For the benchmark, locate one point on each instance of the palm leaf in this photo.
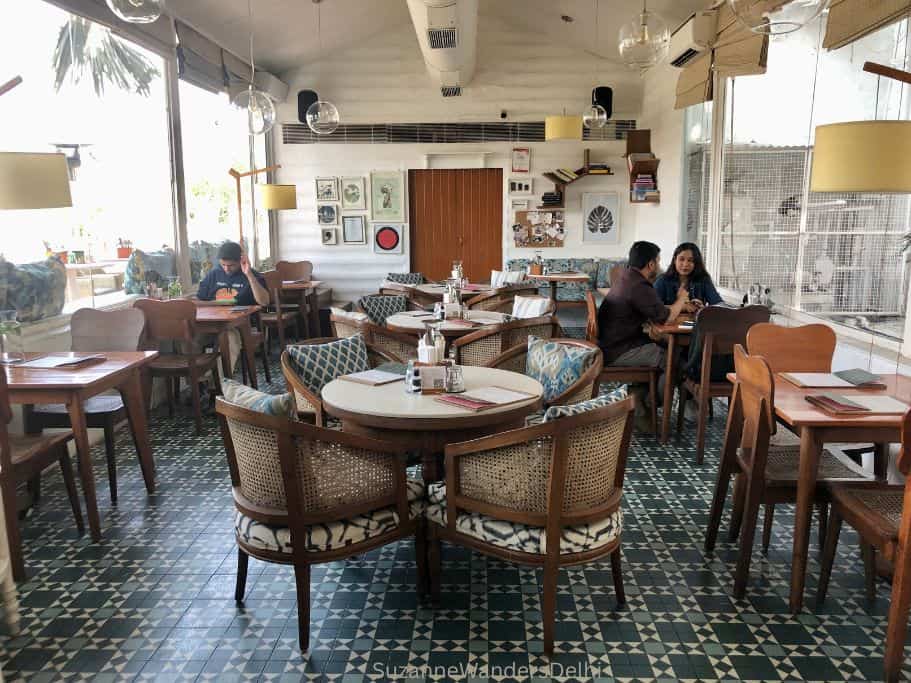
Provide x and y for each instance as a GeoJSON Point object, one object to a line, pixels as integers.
{"type": "Point", "coordinates": [600, 220]}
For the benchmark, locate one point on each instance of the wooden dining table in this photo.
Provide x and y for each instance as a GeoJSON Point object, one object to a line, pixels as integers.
{"type": "Point", "coordinates": [678, 337]}
{"type": "Point", "coordinates": [219, 320]}
{"type": "Point", "coordinates": [72, 387]}
{"type": "Point", "coordinates": [436, 291]}
{"type": "Point", "coordinates": [415, 322]}
{"type": "Point", "coordinates": [308, 302]}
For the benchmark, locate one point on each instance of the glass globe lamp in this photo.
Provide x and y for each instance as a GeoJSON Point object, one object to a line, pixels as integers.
{"type": "Point", "coordinates": [260, 110]}
{"type": "Point", "coordinates": [644, 41]}
{"type": "Point", "coordinates": [137, 11]}
{"type": "Point", "coordinates": [786, 19]}
{"type": "Point", "coordinates": [322, 117]}
{"type": "Point", "coordinates": [594, 117]}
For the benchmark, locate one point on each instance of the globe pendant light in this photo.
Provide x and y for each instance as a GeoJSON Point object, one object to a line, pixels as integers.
{"type": "Point", "coordinates": [594, 117]}
{"type": "Point", "coordinates": [259, 106]}
{"type": "Point", "coordinates": [644, 41]}
{"type": "Point", "coordinates": [322, 117]}
{"type": "Point", "coordinates": [785, 19]}
{"type": "Point", "coordinates": [137, 11]}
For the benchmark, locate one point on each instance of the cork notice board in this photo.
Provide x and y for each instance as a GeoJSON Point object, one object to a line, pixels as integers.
{"type": "Point", "coordinates": [540, 229]}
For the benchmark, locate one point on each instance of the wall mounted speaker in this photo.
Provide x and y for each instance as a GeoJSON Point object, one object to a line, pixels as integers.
{"type": "Point", "coordinates": [604, 96]}
{"type": "Point", "coordinates": [304, 99]}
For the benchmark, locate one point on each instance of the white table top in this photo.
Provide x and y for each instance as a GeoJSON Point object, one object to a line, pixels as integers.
{"type": "Point", "coordinates": [438, 290]}
{"type": "Point", "coordinates": [391, 400]}
{"type": "Point", "coordinates": [416, 321]}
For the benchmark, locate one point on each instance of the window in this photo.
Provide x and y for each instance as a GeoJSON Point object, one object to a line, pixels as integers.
{"type": "Point", "coordinates": [116, 138]}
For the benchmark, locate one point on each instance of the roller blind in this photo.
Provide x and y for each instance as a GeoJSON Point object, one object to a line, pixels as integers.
{"type": "Point", "coordinates": [851, 20]}
{"type": "Point", "coordinates": [695, 82]}
{"type": "Point", "coordinates": [159, 36]}
{"type": "Point", "coordinates": [738, 50]}
{"type": "Point", "coordinates": [237, 71]}
{"type": "Point", "coordinates": [199, 60]}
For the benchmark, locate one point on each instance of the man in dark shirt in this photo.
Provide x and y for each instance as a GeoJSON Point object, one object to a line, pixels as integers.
{"type": "Point", "coordinates": [631, 304]}
{"type": "Point", "coordinates": [233, 278]}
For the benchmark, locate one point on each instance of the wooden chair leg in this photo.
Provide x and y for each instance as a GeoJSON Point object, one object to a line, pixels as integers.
{"type": "Point", "coordinates": [33, 486]}
{"type": "Point", "coordinates": [828, 557]}
{"type": "Point", "coordinates": [767, 527]}
{"type": "Point", "coordinates": [420, 555]}
{"type": "Point", "coordinates": [434, 567]}
{"type": "Point", "coordinates": [110, 449]}
{"type": "Point", "coordinates": [216, 381]}
{"type": "Point", "coordinates": [70, 482]}
{"type": "Point", "coordinates": [240, 587]}
{"type": "Point", "coordinates": [755, 487]}
{"type": "Point", "coordinates": [617, 573]}
{"type": "Point", "coordinates": [14, 539]}
{"type": "Point", "coordinates": [740, 495]}
{"type": "Point", "coordinates": [823, 508]}
{"type": "Point", "coordinates": [717, 508]}
{"type": "Point", "coordinates": [898, 619]}
{"type": "Point", "coordinates": [194, 392]}
{"type": "Point", "coordinates": [244, 379]}
{"type": "Point", "coordinates": [653, 392]}
{"type": "Point", "coordinates": [169, 390]}
{"type": "Point", "coordinates": [681, 407]}
{"type": "Point", "coordinates": [282, 343]}
{"type": "Point", "coordinates": [869, 556]}
{"type": "Point", "coordinates": [711, 408]}
{"type": "Point", "coordinates": [549, 603]}
{"type": "Point", "coordinates": [704, 401]}
{"type": "Point", "coordinates": [302, 578]}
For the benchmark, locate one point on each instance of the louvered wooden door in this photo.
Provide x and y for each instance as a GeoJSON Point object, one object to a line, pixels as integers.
{"type": "Point", "coordinates": [456, 214]}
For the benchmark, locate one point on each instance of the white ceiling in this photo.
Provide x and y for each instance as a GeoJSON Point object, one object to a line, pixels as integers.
{"type": "Point", "coordinates": [286, 34]}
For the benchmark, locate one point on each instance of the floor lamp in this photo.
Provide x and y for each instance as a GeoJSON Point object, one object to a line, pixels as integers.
{"type": "Point", "coordinates": [237, 175]}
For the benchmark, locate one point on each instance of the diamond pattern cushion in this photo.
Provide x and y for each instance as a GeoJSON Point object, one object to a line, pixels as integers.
{"type": "Point", "coordinates": [277, 405]}
{"type": "Point", "coordinates": [378, 308]}
{"type": "Point", "coordinates": [406, 278]}
{"type": "Point", "coordinates": [521, 537]}
{"type": "Point", "coordinates": [555, 365]}
{"type": "Point", "coordinates": [319, 364]}
{"type": "Point", "coordinates": [556, 412]}
{"type": "Point", "coordinates": [331, 535]}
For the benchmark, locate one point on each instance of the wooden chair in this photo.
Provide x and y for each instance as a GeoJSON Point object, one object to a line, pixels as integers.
{"type": "Point", "coordinates": [765, 475]}
{"type": "Point", "coordinates": [399, 344]}
{"type": "Point", "coordinates": [259, 344]}
{"type": "Point", "coordinates": [881, 515]}
{"type": "Point", "coordinates": [296, 271]}
{"type": "Point", "coordinates": [584, 388]}
{"type": "Point", "coordinates": [306, 496]}
{"type": "Point", "coordinates": [500, 299]}
{"type": "Point", "coordinates": [635, 374]}
{"type": "Point", "coordinates": [522, 495]}
{"type": "Point", "coordinates": [719, 330]}
{"type": "Point", "coordinates": [808, 348]}
{"type": "Point", "coordinates": [174, 322]}
{"type": "Point", "coordinates": [22, 458]}
{"type": "Point", "coordinates": [95, 331]}
{"type": "Point", "coordinates": [483, 346]}
{"type": "Point", "coordinates": [309, 402]}
{"type": "Point", "coordinates": [277, 317]}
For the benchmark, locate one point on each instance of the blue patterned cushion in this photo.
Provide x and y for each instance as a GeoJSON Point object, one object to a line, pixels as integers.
{"type": "Point", "coordinates": [278, 405]}
{"type": "Point", "coordinates": [556, 412]}
{"type": "Point", "coordinates": [604, 269]}
{"type": "Point", "coordinates": [557, 366]}
{"type": "Point", "coordinates": [406, 278]}
{"type": "Point", "coordinates": [319, 364]}
{"type": "Point", "coordinates": [378, 308]}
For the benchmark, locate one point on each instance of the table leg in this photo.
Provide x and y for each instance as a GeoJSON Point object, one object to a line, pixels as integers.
{"type": "Point", "coordinates": [431, 466]}
{"type": "Point", "coordinates": [248, 348]}
{"type": "Point", "coordinates": [553, 291]}
{"type": "Point", "coordinates": [131, 392]}
{"type": "Point", "coordinates": [881, 461]}
{"type": "Point", "coordinates": [810, 449]}
{"type": "Point", "coordinates": [224, 349]}
{"type": "Point", "coordinates": [81, 437]}
{"type": "Point", "coordinates": [668, 387]}
{"type": "Point", "coordinates": [313, 303]}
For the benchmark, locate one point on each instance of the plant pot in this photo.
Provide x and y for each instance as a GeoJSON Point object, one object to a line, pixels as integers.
{"type": "Point", "coordinates": [124, 252]}
{"type": "Point", "coordinates": [535, 269]}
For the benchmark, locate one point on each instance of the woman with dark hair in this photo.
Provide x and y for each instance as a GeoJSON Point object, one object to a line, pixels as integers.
{"type": "Point", "coordinates": [687, 269]}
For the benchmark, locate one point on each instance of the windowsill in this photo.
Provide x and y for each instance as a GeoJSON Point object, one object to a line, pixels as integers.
{"type": "Point", "coordinates": [55, 324]}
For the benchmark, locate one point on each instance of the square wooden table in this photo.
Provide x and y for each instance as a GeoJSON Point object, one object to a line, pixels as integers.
{"type": "Point", "coordinates": [219, 320]}
{"type": "Point", "coordinates": [72, 387]}
{"type": "Point", "coordinates": [308, 300]}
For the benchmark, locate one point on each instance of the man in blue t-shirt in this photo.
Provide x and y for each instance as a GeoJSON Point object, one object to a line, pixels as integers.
{"type": "Point", "coordinates": [233, 278]}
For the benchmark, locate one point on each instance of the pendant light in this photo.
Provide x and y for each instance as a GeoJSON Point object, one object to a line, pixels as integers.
{"type": "Point", "coordinates": [322, 116]}
{"type": "Point", "coordinates": [645, 40]}
{"type": "Point", "coordinates": [137, 11]}
{"type": "Point", "coordinates": [596, 115]}
{"type": "Point", "coordinates": [259, 106]}
{"type": "Point", "coordinates": [788, 18]}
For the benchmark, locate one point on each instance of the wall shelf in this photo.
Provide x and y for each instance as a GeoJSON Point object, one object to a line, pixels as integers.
{"type": "Point", "coordinates": [560, 184]}
{"type": "Point", "coordinates": [639, 142]}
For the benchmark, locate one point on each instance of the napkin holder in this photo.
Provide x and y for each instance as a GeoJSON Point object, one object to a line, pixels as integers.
{"type": "Point", "coordinates": [433, 377]}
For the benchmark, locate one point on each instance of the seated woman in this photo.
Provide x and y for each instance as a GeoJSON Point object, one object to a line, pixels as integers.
{"type": "Point", "coordinates": [687, 270]}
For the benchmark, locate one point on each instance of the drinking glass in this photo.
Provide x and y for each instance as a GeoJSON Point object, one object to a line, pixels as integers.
{"type": "Point", "coordinates": [10, 338]}
{"type": "Point", "coordinates": [412, 379]}
{"type": "Point", "coordinates": [455, 380]}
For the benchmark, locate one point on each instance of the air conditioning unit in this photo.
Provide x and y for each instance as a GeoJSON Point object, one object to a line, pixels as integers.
{"type": "Point", "coordinates": [447, 32]}
{"type": "Point", "coordinates": [693, 37]}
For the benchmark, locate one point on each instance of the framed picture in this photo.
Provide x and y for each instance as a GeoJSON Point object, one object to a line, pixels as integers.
{"type": "Point", "coordinates": [327, 214]}
{"type": "Point", "coordinates": [329, 236]}
{"type": "Point", "coordinates": [354, 194]}
{"type": "Point", "coordinates": [601, 217]}
{"type": "Point", "coordinates": [539, 229]}
{"type": "Point", "coordinates": [519, 204]}
{"type": "Point", "coordinates": [521, 187]}
{"type": "Point", "coordinates": [388, 238]}
{"type": "Point", "coordinates": [354, 230]}
{"type": "Point", "coordinates": [387, 196]}
{"type": "Point", "coordinates": [327, 189]}
{"type": "Point", "coordinates": [521, 159]}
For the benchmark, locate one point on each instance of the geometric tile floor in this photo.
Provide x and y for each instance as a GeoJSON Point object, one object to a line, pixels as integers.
{"type": "Point", "coordinates": [154, 599]}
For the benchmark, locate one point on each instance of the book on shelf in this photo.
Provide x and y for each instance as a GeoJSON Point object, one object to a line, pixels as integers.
{"type": "Point", "coordinates": [857, 405]}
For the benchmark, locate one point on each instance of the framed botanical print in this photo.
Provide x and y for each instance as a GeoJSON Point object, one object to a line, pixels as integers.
{"type": "Point", "coordinates": [354, 194]}
{"type": "Point", "coordinates": [354, 230]}
{"type": "Point", "coordinates": [601, 217]}
{"type": "Point", "coordinates": [327, 189]}
{"type": "Point", "coordinates": [387, 196]}
{"type": "Point", "coordinates": [327, 214]}
{"type": "Point", "coordinates": [329, 236]}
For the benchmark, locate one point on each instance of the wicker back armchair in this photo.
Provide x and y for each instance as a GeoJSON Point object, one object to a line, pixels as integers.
{"type": "Point", "coordinates": [546, 496]}
{"type": "Point", "coordinates": [399, 344]}
{"type": "Point", "coordinates": [379, 306]}
{"type": "Point", "coordinates": [483, 346]}
{"type": "Point", "coordinates": [344, 326]}
{"type": "Point", "coordinates": [584, 388]}
{"type": "Point", "coordinates": [305, 495]}
{"type": "Point", "coordinates": [500, 299]}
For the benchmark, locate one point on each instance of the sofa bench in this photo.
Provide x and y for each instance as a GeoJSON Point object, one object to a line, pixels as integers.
{"type": "Point", "coordinates": [573, 293]}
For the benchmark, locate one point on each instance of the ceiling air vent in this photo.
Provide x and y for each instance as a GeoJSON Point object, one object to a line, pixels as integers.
{"type": "Point", "coordinates": [442, 38]}
{"type": "Point", "coordinates": [451, 91]}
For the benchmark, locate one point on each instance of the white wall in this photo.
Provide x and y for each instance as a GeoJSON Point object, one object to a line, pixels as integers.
{"type": "Point", "coordinates": [384, 80]}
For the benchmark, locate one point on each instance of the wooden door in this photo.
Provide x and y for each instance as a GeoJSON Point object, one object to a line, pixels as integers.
{"type": "Point", "coordinates": [456, 214]}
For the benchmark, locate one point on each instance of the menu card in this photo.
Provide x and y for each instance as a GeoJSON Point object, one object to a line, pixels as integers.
{"type": "Point", "coordinates": [485, 398]}
{"type": "Point", "coordinates": [373, 378]}
{"type": "Point", "coordinates": [67, 362]}
{"type": "Point", "coordinates": [839, 405]}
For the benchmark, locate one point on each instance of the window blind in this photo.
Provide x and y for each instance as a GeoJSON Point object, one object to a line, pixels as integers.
{"type": "Point", "coordinates": [694, 85]}
{"type": "Point", "coordinates": [851, 20]}
{"type": "Point", "coordinates": [199, 60]}
{"type": "Point", "coordinates": [738, 50]}
{"type": "Point", "coordinates": [158, 37]}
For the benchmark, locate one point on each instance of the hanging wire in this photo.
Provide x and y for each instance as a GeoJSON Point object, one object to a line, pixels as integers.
{"type": "Point", "coordinates": [250, 22]}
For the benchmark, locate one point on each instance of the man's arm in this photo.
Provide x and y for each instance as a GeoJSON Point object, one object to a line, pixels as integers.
{"type": "Point", "coordinates": [675, 309]}
{"type": "Point", "coordinates": [260, 293]}
{"type": "Point", "coordinates": [649, 304]}
{"type": "Point", "coordinates": [204, 291]}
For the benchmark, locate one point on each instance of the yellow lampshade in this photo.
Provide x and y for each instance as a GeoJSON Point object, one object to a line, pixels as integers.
{"type": "Point", "coordinates": [862, 156]}
{"type": "Point", "coordinates": [563, 128]}
{"type": "Point", "coordinates": [34, 181]}
{"type": "Point", "coordinates": [278, 196]}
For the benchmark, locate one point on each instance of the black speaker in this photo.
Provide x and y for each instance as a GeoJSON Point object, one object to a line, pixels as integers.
{"type": "Point", "coordinates": [304, 99]}
{"type": "Point", "coordinates": [605, 97]}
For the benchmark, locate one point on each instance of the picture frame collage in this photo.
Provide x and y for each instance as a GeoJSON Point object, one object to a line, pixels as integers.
{"type": "Point", "coordinates": [342, 210]}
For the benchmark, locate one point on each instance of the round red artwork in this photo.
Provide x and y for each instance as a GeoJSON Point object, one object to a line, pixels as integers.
{"type": "Point", "coordinates": [387, 238]}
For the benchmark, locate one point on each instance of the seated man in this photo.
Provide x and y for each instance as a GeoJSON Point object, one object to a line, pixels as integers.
{"type": "Point", "coordinates": [631, 304]}
{"type": "Point", "coordinates": [233, 278]}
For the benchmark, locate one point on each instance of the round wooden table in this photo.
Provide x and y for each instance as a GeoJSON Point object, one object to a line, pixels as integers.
{"type": "Point", "coordinates": [422, 423]}
{"type": "Point", "coordinates": [437, 291]}
{"type": "Point", "coordinates": [414, 322]}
